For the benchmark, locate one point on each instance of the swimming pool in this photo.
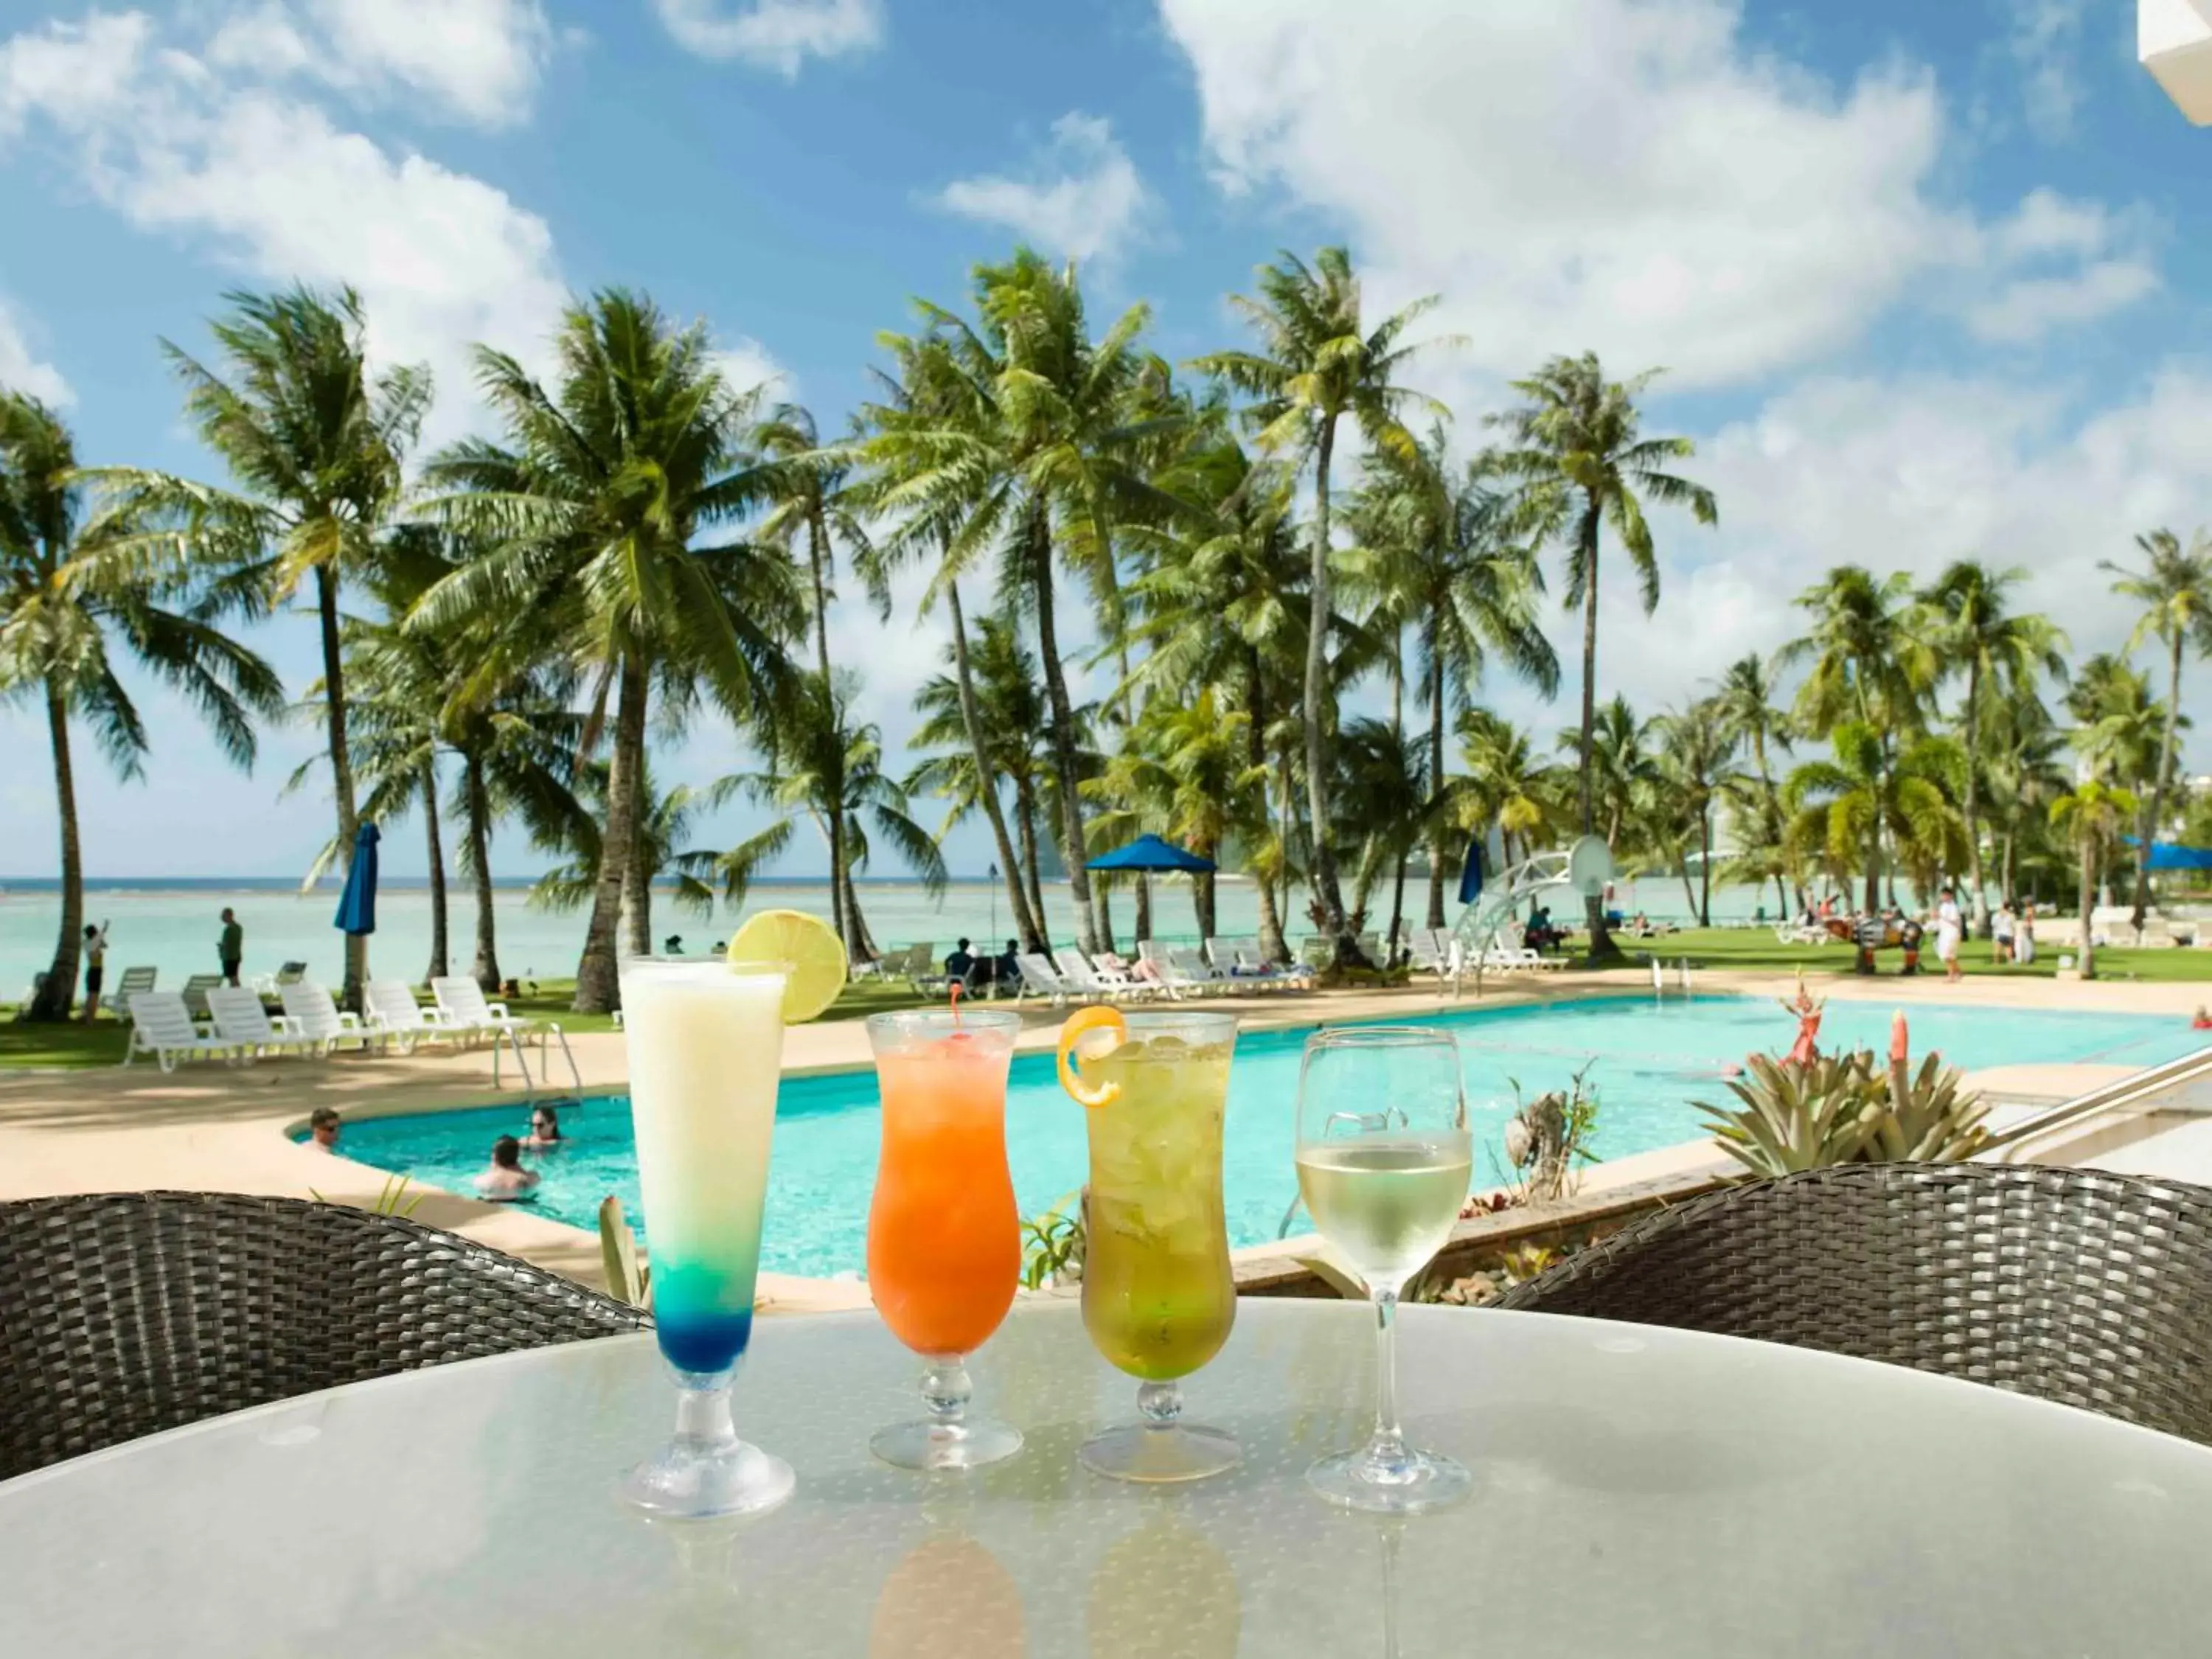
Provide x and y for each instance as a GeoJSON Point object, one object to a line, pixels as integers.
{"type": "Point", "coordinates": [1649, 1060]}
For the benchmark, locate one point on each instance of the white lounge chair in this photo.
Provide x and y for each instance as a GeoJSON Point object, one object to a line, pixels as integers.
{"type": "Point", "coordinates": [1188, 973]}
{"type": "Point", "coordinates": [920, 968]}
{"type": "Point", "coordinates": [1422, 947]}
{"type": "Point", "coordinates": [241, 1021]}
{"type": "Point", "coordinates": [394, 1013]}
{"type": "Point", "coordinates": [314, 1013]}
{"type": "Point", "coordinates": [1089, 980]}
{"type": "Point", "coordinates": [461, 1002]}
{"type": "Point", "coordinates": [161, 1026]}
{"type": "Point", "coordinates": [134, 980]}
{"type": "Point", "coordinates": [1040, 978]}
{"type": "Point", "coordinates": [195, 993]}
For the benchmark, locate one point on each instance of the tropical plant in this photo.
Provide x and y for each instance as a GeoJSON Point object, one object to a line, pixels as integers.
{"type": "Point", "coordinates": [1384, 807]}
{"type": "Point", "coordinates": [1622, 763]}
{"type": "Point", "coordinates": [77, 603]}
{"type": "Point", "coordinates": [2175, 591]}
{"type": "Point", "coordinates": [1546, 1138]}
{"type": "Point", "coordinates": [1696, 747]}
{"type": "Point", "coordinates": [1578, 451]}
{"type": "Point", "coordinates": [1504, 784]}
{"type": "Point", "coordinates": [818, 760]}
{"type": "Point", "coordinates": [1185, 770]}
{"type": "Point", "coordinates": [1977, 635]}
{"type": "Point", "coordinates": [594, 506]}
{"type": "Point", "coordinates": [1318, 363]}
{"type": "Point", "coordinates": [1052, 1244]}
{"type": "Point", "coordinates": [1750, 714]}
{"type": "Point", "coordinates": [813, 497]}
{"type": "Point", "coordinates": [1839, 1109]}
{"type": "Point", "coordinates": [2021, 748]}
{"type": "Point", "coordinates": [316, 445]}
{"type": "Point", "coordinates": [664, 826]}
{"type": "Point", "coordinates": [1435, 556]}
{"type": "Point", "coordinates": [1842, 809]}
{"type": "Point", "coordinates": [2094, 816]}
{"type": "Point", "coordinates": [1872, 655]}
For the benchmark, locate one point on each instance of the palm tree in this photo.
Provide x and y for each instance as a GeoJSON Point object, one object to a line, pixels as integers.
{"type": "Point", "coordinates": [75, 598]}
{"type": "Point", "coordinates": [1977, 634]}
{"type": "Point", "coordinates": [2096, 813]}
{"type": "Point", "coordinates": [1504, 784]}
{"type": "Point", "coordinates": [1619, 761]}
{"type": "Point", "coordinates": [927, 447]}
{"type": "Point", "coordinates": [1696, 746]}
{"type": "Point", "coordinates": [818, 762]}
{"type": "Point", "coordinates": [812, 494]}
{"type": "Point", "coordinates": [664, 824]}
{"type": "Point", "coordinates": [2176, 593]}
{"type": "Point", "coordinates": [2021, 747]}
{"type": "Point", "coordinates": [1187, 771]}
{"type": "Point", "coordinates": [1383, 803]}
{"type": "Point", "coordinates": [1750, 715]}
{"type": "Point", "coordinates": [316, 445]}
{"type": "Point", "coordinates": [594, 505]}
{"type": "Point", "coordinates": [1841, 810]}
{"type": "Point", "coordinates": [1317, 364]}
{"type": "Point", "coordinates": [1583, 463]}
{"type": "Point", "coordinates": [1218, 602]}
{"type": "Point", "coordinates": [1436, 556]}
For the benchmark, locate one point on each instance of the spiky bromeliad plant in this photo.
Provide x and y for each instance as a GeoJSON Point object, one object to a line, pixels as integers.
{"type": "Point", "coordinates": [1837, 1109]}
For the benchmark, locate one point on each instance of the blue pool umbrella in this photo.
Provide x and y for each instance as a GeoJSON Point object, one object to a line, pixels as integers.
{"type": "Point", "coordinates": [2169, 855]}
{"type": "Point", "coordinates": [1151, 853]}
{"type": "Point", "coordinates": [1470, 871]}
{"type": "Point", "coordinates": [357, 904]}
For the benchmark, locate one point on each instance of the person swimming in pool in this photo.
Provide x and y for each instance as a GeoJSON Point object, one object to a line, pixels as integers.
{"type": "Point", "coordinates": [507, 1180]}
{"type": "Point", "coordinates": [544, 1135]}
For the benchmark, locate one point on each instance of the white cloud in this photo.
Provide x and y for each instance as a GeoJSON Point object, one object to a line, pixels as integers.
{"type": "Point", "coordinates": [2045, 35]}
{"type": "Point", "coordinates": [477, 61]}
{"type": "Point", "coordinates": [1622, 176]}
{"type": "Point", "coordinates": [2102, 259]}
{"type": "Point", "coordinates": [273, 187]}
{"type": "Point", "coordinates": [73, 73]}
{"type": "Point", "coordinates": [746, 362]}
{"type": "Point", "coordinates": [777, 35]}
{"type": "Point", "coordinates": [21, 372]}
{"type": "Point", "coordinates": [2032, 307]}
{"type": "Point", "coordinates": [1082, 197]}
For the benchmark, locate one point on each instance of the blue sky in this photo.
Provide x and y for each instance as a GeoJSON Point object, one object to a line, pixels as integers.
{"type": "Point", "coordinates": [1923, 277]}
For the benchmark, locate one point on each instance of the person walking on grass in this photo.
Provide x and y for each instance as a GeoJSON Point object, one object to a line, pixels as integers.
{"type": "Point", "coordinates": [95, 965]}
{"type": "Point", "coordinates": [231, 947]}
{"type": "Point", "coordinates": [1949, 929]}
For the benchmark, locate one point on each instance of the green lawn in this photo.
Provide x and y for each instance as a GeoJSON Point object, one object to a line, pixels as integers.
{"type": "Point", "coordinates": [75, 1045]}
{"type": "Point", "coordinates": [1756, 948]}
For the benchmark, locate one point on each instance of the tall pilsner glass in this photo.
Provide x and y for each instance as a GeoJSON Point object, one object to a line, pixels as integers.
{"type": "Point", "coordinates": [705, 1042]}
{"type": "Point", "coordinates": [945, 1240]}
{"type": "Point", "coordinates": [1159, 1297]}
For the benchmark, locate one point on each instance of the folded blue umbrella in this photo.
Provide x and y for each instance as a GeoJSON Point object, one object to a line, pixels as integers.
{"type": "Point", "coordinates": [357, 904]}
{"type": "Point", "coordinates": [1470, 872]}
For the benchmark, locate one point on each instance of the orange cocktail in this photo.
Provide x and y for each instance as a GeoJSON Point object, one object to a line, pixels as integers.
{"type": "Point", "coordinates": [945, 1240]}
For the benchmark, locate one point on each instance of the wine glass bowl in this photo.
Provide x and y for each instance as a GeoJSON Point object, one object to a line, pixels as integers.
{"type": "Point", "coordinates": [1384, 1159]}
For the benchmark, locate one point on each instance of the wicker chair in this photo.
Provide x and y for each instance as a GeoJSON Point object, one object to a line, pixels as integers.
{"type": "Point", "coordinates": [122, 1314]}
{"type": "Point", "coordinates": [2090, 1289]}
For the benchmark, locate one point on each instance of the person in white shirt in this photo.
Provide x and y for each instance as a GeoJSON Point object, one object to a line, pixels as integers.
{"type": "Point", "coordinates": [1949, 929]}
{"type": "Point", "coordinates": [2000, 931]}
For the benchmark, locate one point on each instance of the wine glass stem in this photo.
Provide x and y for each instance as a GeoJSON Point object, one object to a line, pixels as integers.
{"type": "Point", "coordinates": [1159, 1404]}
{"type": "Point", "coordinates": [703, 1425]}
{"type": "Point", "coordinates": [1386, 1452]}
{"type": "Point", "coordinates": [945, 1391]}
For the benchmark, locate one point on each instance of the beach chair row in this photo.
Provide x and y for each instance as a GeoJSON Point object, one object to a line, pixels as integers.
{"type": "Point", "coordinates": [233, 1024]}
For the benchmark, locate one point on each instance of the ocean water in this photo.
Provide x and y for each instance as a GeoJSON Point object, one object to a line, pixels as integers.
{"type": "Point", "coordinates": [172, 926]}
{"type": "Point", "coordinates": [1650, 1063]}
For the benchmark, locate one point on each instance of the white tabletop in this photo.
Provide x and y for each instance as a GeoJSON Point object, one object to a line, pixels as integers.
{"type": "Point", "coordinates": [1640, 1492]}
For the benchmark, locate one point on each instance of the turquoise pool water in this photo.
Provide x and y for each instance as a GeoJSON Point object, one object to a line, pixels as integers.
{"type": "Point", "coordinates": [1649, 1062]}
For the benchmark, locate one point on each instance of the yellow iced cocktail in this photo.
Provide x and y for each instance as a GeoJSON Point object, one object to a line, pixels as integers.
{"type": "Point", "coordinates": [1159, 1298]}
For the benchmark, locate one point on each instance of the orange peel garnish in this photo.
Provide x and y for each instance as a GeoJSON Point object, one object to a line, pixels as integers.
{"type": "Point", "coordinates": [1079, 1025]}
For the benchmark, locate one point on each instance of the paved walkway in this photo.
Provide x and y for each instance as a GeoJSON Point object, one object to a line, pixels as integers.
{"type": "Point", "coordinates": [221, 1128]}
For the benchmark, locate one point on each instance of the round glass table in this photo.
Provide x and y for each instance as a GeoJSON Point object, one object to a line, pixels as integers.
{"type": "Point", "coordinates": [1638, 1491]}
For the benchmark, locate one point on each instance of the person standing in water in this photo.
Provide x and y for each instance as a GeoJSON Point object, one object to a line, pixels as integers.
{"type": "Point", "coordinates": [230, 949]}
{"type": "Point", "coordinates": [95, 967]}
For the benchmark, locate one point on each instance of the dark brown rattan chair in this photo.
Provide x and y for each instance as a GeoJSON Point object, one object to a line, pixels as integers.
{"type": "Point", "coordinates": [2090, 1289]}
{"type": "Point", "coordinates": [122, 1314]}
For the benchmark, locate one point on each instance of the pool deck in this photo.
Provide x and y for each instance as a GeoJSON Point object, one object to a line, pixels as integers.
{"type": "Point", "coordinates": [213, 1128]}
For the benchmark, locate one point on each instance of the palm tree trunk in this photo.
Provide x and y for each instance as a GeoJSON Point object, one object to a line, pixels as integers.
{"type": "Point", "coordinates": [1066, 768]}
{"type": "Point", "coordinates": [1202, 900]}
{"type": "Point", "coordinates": [1025, 818]}
{"type": "Point", "coordinates": [54, 997]}
{"type": "Point", "coordinates": [1397, 906]}
{"type": "Point", "coordinates": [478, 830]}
{"type": "Point", "coordinates": [2163, 782]}
{"type": "Point", "coordinates": [816, 546]}
{"type": "Point", "coordinates": [435, 848]}
{"type": "Point", "coordinates": [1272, 948]}
{"type": "Point", "coordinates": [1144, 907]}
{"type": "Point", "coordinates": [1439, 853]}
{"type": "Point", "coordinates": [858, 923]}
{"type": "Point", "coordinates": [1705, 868]}
{"type": "Point", "coordinates": [1980, 909]}
{"type": "Point", "coordinates": [334, 711]}
{"type": "Point", "coordinates": [1601, 941]}
{"type": "Point", "coordinates": [598, 987]}
{"type": "Point", "coordinates": [637, 889]}
{"type": "Point", "coordinates": [2088, 906]}
{"type": "Point", "coordinates": [1689, 888]}
{"type": "Point", "coordinates": [1321, 879]}
{"type": "Point", "coordinates": [1287, 781]}
{"type": "Point", "coordinates": [1028, 926]}
{"type": "Point", "coordinates": [1101, 902]}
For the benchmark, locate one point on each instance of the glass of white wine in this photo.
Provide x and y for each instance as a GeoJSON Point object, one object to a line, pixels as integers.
{"type": "Point", "coordinates": [1384, 1157]}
